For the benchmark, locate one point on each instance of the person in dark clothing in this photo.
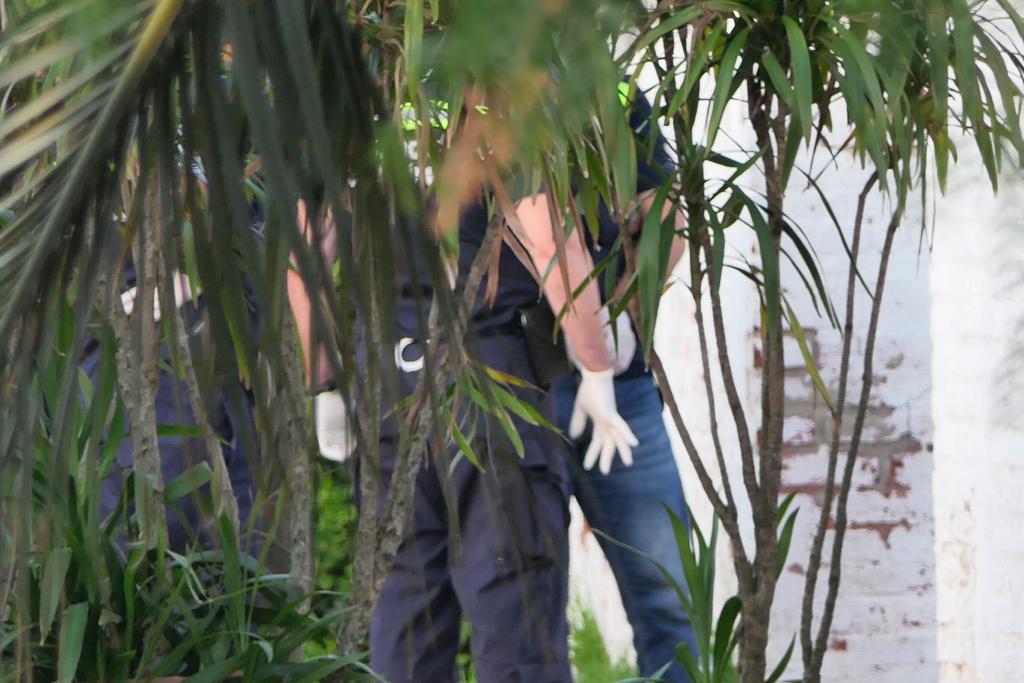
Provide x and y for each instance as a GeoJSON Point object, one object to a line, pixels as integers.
{"type": "Point", "coordinates": [489, 543]}
{"type": "Point", "coordinates": [231, 418]}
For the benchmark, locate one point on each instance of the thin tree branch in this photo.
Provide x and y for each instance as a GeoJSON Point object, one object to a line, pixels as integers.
{"type": "Point", "coordinates": [835, 569]}
{"type": "Point", "coordinates": [301, 527]}
{"type": "Point", "coordinates": [727, 516]}
{"type": "Point", "coordinates": [137, 378]}
{"type": "Point", "coordinates": [814, 561]}
{"type": "Point", "coordinates": [696, 279]}
{"type": "Point", "coordinates": [224, 496]}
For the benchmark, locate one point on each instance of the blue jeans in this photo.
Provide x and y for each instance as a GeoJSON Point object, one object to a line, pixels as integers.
{"type": "Point", "coordinates": [627, 504]}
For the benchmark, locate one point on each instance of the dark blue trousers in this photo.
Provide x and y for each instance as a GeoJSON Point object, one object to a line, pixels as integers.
{"type": "Point", "coordinates": [233, 422]}
{"type": "Point", "coordinates": [486, 543]}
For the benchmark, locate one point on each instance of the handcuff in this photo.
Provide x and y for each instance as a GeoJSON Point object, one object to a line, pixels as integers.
{"type": "Point", "coordinates": [400, 360]}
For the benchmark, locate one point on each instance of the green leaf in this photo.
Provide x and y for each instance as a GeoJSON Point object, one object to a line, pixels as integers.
{"type": "Point", "coordinates": [188, 481]}
{"type": "Point", "coordinates": [671, 23]}
{"type": "Point", "coordinates": [805, 351]}
{"type": "Point", "coordinates": [802, 81]}
{"type": "Point", "coordinates": [218, 671]}
{"type": "Point", "coordinates": [413, 46]}
{"type": "Point", "coordinates": [695, 69]}
{"type": "Point", "coordinates": [853, 85]}
{"type": "Point", "coordinates": [700, 590]}
{"type": "Point", "coordinates": [51, 588]}
{"type": "Point", "coordinates": [652, 262]}
{"type": "Point", "coordinates": [963, 61]}
{"type": "Point", "coordinates": [725, 640]}
{"type": "Point", "coordinates": [67, 47]}
{"type": "Point", "coordinates": [523, 409]}
{"type": "Point", "coordinates": [785, 538]}
{"type": "Point", "coordinates": [685, 657]}
{"type": "Point", "coordinates": [769, 264]}
{"type": "Point", "coordinates": [505, 378]}
{"type": "Point", "coordinates": [780, 511]}
{"type": "Point", "coordinates": [463, 443]}
{"type": "Point", "coordinates": [295, 637]}
{"type": "Point", "coordinates": [232, 575]}
{"type": "Point", "coordinates": [778, 78]}
{"type": "Point", "coordinates": [790, 151]}
{"type": "Point", "coordinates": [158, 25]}
{"type": "Point", "coordinates": [780, 669]}
{"type": "Point", "coordinates": [622, 146]}
{"type": "Point", "coordinates": [72, 631]}
{"type": "Point", "coordinates": [510, 431]}
{"type": "Point", "coordinates": [718, 248]}
{"type": "Point", "coordinates": [724, 84]}
{"type": "Point", "coordinates": [938, 57]}
{"type": "Point", "coordinates": [178, 430]}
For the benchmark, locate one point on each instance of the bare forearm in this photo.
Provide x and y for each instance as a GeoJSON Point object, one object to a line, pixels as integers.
{"type": "Point", "coordinates": [302, 310]}
{"type": "Point", "coordinates": [324, 243]}
{"type": "Point", "coordinates": [678, 245]}
{"type": "Point", "coordinates": [583, 322]}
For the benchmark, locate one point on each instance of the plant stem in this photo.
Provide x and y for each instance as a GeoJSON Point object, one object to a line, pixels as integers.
{"type": "Point", "coordinates": [814, 561]}
{"type": "Point", "coordinates": [835, 569]}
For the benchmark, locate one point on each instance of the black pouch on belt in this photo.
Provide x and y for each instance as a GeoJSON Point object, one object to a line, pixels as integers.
{"type": "Point", "coordinates": [548, 356]}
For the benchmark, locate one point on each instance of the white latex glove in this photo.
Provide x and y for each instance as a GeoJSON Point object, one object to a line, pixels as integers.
{"type": "Point", "coordinates": [332, 432]}
{"type": "Point", "coordinates": [595, 399]}
{"type": "Point", "coordinates": [621, 354]}
{"type": "Point", "coordinates": [626, 348]}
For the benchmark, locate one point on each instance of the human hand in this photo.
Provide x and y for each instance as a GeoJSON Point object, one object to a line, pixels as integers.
{"type": "Point", "coordinates": [332, 432]}
{"type": "Point", "coordinates": [595, 400]}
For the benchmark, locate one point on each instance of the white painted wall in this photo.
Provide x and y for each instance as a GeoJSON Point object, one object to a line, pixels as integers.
{"type": "Point", "coordinates": [978, 377]}
{"type": "Point", "coordinates": [884, 626]}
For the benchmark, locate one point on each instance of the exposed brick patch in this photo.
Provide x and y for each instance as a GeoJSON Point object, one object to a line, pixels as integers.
{"type": "Point", "coordinates": [886, 481]}
{"type": "Point", "coordinates": [888, 456]}
{"type": "Point", "coordinates": [838, 644]}
{"type": "Point", "coordinates": [815, 490]}
{"type": "Point", "coordinates": [789, 450]}
{"type": "Point", "coordinates": [903, 444]}
{"type": "Point", "coordinates": [883, 529]}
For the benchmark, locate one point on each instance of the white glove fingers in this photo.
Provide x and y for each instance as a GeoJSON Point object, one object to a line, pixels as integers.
{"type": "Point", "coordinates": [607, 453]}
{"type": "Point", "coordinates": [622, 427]}
{"type": "Point", "coordinates": [625, 452]}
{"type": "Point", "coordinates": [593, 450]}
{"type": "Point", "coordinates": [578, 421]}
